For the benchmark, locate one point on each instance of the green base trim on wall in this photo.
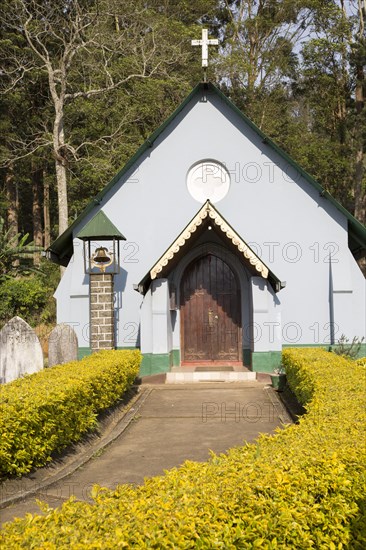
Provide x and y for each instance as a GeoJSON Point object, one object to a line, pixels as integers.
{"type": "Point", "coordinates": [176, 357]}
{"type": "Point", "coordinates": [361, 353]}
{"type": "Point", "coordinates": [83, 352]}
{"type": "Point", "coordinates": [155, 363]}
{"type": "Point", "coordinates": [266, 361]}
{"type": "Point", "coordinates": [258, 361]}
{"type": "Point", "coordinates": [327, 347]}
{"type": "Point", "coordinates": [247, 358]}
{"type": "Point", "coordinates": [319, 346]}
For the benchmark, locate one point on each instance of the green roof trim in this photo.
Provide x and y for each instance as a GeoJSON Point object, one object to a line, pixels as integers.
{"type": "Point", "coordinates": [100, 227]}
{"type": "Point", "coordinates": [61, 249]}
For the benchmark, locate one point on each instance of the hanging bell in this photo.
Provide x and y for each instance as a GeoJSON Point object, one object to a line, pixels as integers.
{"type": "Point", "coordinates": [102, 258]}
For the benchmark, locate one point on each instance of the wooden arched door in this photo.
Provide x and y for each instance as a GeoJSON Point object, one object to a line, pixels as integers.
{"type": "Point", "coordinates": [210, 313]}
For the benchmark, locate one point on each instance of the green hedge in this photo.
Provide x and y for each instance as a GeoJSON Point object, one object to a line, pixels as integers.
{"type": "Point", "coordinates": [44, 412]}
{"type": "Point", "coordinates": [303, 488]}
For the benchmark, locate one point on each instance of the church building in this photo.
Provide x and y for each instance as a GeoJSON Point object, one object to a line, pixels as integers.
{"type": "Point", "coordinates": [228, 250]}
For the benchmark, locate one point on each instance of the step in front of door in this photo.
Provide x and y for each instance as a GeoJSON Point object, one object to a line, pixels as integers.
{"type": "Point", "coordinates": [209, 376]}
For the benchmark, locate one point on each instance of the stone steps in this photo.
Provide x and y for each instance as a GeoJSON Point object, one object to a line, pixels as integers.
{"type": "Point", "coordinates": [180, 376]}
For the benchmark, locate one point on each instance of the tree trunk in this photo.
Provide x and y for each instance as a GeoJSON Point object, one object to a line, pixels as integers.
{"type": "Point", "coordinates": [60, 164]}
{"type": "Point", "coordinates": [13, 203]}
{"type": "Point", "coordinates": [61, 174]}
{"type": "Point", "coordinates": [62, 195]}
{"type": "Point", "coordinates": [360, 196]}
{"type": "Point", "coordinates": [37, 183]}
{"type": "Point", "coordinates": [46, 214]}
{"type": "Point", "coordinates": [359, 161]}
{"type": "Point", "coordinates": [359, 190]}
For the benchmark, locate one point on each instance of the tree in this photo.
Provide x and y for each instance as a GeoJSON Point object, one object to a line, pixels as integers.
{"type": "Point", "coordinates": [358, 62]}
{"type": "Point", "coordinates": [13, 249]}
{"type": "Point", "coordinates": [332, 84]}
{"type": "Point", "coordinates": [85, 49]}
{"type": "Point", "coordinates": [297, 68]}
{"type": "Point", "coordinates": [86, 81]}
{"type": "Point", "coordinates": [259, 39]}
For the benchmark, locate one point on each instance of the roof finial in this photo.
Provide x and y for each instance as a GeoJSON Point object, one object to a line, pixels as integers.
{"type": "Point", "coordinates": [205, 42]}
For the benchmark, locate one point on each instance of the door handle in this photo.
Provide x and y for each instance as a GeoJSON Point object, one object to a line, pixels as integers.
{"type": "Point", "coordinates": [210, 318]}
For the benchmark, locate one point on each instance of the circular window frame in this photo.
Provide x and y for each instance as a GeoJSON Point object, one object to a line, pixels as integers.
{"type": "Point", "coordinates": [213, 193]}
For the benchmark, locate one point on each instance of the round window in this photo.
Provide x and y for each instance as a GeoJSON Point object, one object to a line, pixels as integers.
{"type": "Point", "coordinates": [208, 179]}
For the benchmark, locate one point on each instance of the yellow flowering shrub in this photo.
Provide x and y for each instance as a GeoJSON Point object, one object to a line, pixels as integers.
{"type": "Point", "coordinates": [303, 488]}
{"type": "Point", "coordinates": [44, 412]}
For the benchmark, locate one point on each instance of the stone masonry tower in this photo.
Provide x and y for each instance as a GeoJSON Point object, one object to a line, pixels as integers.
{"type": "Point", "coordinates": [101, 263]}
{"type": "Point", "coordinates": [101, 311]}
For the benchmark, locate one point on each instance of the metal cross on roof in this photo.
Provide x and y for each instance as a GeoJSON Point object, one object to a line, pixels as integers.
{"type": "Point", "coordinates": [205, 42]}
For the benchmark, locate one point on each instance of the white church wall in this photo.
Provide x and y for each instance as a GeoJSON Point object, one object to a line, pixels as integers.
{"type": "Point", "coordinates": [146, 323]}
{"type": "Point", "coordinates": [156, 328]}
{"type": "Point", "coordinates": [72, 297]}
{"type": "Point", "coordinates": [260, 314]}
{"type": "Point", "coordinates": [266, 331]}
{"type": "Point", "coordinates": [176, 330]}
{"type": "Point", "coordinates": [162, 329]}
{"type": "Point", "coordinates": [347, 299]}
{"type": "Point", "coordinates": [274, 209]}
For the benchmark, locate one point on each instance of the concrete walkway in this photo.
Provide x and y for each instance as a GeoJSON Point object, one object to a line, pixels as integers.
{"type": "Point", "coordinates": [162, 426]}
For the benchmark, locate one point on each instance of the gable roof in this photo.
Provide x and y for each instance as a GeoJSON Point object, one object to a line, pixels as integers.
{"type": "Point", "coordinates": [206, 215]}
{"type": "Point", "coordinates": [61, 249]}
{"type": "Point", "coordinates": [100, 227]}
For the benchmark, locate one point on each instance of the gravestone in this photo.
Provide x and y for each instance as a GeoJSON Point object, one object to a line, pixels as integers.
{"type": "Point", "coordinates": [62, 345]}
{"type": "Point", "coordinates": [20, 351]}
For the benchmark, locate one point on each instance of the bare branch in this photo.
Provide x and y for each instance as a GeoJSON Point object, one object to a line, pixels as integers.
{"type": "Point", "coordinates": [23, 149]}
{"type": "Point", "coordinates": [73, 45]}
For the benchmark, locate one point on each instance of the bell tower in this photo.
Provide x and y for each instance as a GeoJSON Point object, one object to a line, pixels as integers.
{"type": "Point", "coordinates": [101, 262]}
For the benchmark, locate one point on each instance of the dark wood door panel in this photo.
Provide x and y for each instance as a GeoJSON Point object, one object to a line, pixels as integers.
{"type": "Point", "coordinates": [210, 312]}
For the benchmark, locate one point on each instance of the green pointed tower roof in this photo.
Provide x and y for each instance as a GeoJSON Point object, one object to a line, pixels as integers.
{"type": "Point", "coordinates": [100, 227]}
